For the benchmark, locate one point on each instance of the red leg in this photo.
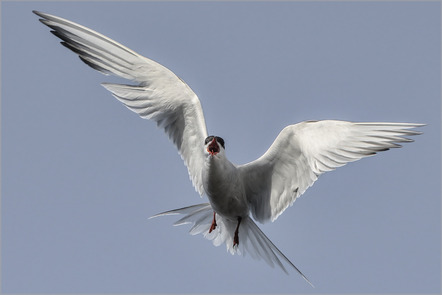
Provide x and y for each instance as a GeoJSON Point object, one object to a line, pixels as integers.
{"type": "Point", "coordinates": [236, 238]}
{"type": "Point", "coordinates": [213, 226]}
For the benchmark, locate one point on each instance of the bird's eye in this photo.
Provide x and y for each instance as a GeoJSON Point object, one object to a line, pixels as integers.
{"type": "Point", "coordinates": [208, 139]}
{"type": "Point", "coordinates": [221, 141]}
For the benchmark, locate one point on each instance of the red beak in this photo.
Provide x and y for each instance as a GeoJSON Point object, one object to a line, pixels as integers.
{"type": "Point", "coordinates": [213, 147]}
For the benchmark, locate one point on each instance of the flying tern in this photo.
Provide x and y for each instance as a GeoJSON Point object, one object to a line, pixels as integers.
{"type": "Point", "coordinates": [263, 188]}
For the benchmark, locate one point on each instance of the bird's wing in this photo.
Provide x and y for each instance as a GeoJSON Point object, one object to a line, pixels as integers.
{"type": "Point", "coordinates": [159, 94]}
{"type": "Point", "coordinates": [303, 151]}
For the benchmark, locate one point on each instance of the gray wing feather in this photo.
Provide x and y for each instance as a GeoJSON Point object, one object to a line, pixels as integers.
{"type": "Point", "coordinates": [159, 95]}
{"type": "Point", "coordinates": [303, 151]}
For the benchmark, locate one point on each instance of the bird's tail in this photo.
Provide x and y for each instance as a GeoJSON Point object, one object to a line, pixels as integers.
{"type": "Point", "coordinates": [252, 240]}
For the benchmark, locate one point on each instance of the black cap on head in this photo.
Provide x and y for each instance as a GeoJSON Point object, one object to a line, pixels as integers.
{"type": "Point", "coordinates": [218, 139]}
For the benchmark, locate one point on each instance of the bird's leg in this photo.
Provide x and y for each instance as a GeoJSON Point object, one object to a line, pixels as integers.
{"type": "Point", "coordinates": [213, 226]}
{"type": "Point", "coordinates": [236, 238]}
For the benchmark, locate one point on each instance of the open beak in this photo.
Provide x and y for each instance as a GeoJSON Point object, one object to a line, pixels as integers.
{"type": "Point", "coordinates": [213, 147]}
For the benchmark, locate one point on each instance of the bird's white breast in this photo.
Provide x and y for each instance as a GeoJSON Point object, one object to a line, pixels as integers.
{"type": "Point", "coordinates": [224, 188]}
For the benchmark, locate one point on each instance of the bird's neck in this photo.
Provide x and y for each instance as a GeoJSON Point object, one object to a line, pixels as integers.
{"type": "Point", "coordinates": [218, 170]}
{"type": "Point", "coordinates": [216, 164]}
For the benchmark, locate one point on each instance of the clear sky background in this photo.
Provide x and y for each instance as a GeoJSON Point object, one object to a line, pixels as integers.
{"type": "Point", "coordinates": [81, 174]}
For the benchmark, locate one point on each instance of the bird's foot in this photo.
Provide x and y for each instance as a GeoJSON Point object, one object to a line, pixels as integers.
{"type": "Point", "coordinates": [235, 240]}
{"type": "Point", "coordinates": [213, 226]}
{"type": "Point", "coordinates": [236, 237]}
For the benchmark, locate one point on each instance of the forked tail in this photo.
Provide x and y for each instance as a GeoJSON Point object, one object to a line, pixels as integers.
{"type": "Point", "coordinates": [251, 239]}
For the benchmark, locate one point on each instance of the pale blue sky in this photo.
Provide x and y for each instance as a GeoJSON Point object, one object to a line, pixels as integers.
{"type": "Point", "coordinates": [81, 174]}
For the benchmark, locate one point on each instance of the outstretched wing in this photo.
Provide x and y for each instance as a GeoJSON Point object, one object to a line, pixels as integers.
{"type": "Point", "coordinates": [159, 95]}
{"type": "Point", "coordinates": [303, 151]}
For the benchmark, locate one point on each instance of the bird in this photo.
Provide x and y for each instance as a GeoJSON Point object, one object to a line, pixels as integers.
{"type": "Point", "coordinates": [238, 195]}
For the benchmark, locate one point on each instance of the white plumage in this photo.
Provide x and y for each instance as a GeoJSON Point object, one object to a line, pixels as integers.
{"type": "Point", "coordinates": [304, 151]}
{"type": "Point", "coordinates": [263, 188]}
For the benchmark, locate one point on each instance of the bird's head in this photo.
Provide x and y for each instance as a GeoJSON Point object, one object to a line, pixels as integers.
{"type": "Point", "coordinates": [214, 145]}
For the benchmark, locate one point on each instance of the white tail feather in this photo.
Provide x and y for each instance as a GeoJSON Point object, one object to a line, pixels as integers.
{"type": "Point", "coordinates": [251, 239]}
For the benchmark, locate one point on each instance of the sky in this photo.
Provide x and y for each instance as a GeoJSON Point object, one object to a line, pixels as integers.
{"type": "Point", "coordinates": [81, 174]}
